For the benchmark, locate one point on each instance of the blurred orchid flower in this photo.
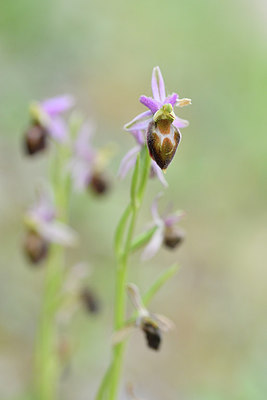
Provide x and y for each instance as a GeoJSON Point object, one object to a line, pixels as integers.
{"type": "Point", "coordinates": [47, 120]}
{"type": "Point", "coordinates": [166, 232]}
{"type": "Point", "coordinates": [41, 218]}
{"type": "Point", "coordinates": [88, 164]}
{"type": "Point", "coordinates": [48, 113]}
{"type": "Point", "coordinates": [129, 159]}
{"type": "Point", "coordinates": [151, 324]}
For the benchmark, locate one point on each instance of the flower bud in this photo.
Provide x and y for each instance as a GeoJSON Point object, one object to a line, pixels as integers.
{"type": "Point", "coordinates": [35, 247]}
{"type": "Point", "coordinates": [162, 140]}
{"type": "Point", "coordinates": [35, 139]}
{"type": "Point", "coordinates": [90, 301]}
{"type": "Point", "coordinates": [153, 335]}
{"type": "Point", "coordinates": [99, 183]}
{"type": "Point", "coordinates": [173, 237]}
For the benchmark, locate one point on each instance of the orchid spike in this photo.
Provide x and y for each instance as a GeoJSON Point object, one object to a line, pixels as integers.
{"type": "Point", "coordinates": [152, 325]}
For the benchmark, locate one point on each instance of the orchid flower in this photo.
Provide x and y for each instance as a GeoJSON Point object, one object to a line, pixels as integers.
{"type": "Point", "coordinates": [151, 324]}
{"type": "Point", "coordinates": [87, 164]}
{"type": "Point", "coordinates": [156, 103]}
{"type": "Point", "coordinates": [41, 219]}
{"type": "Point", "coordinates": [166, 233]}
{"type": "Point", "coordinates": [48, 115]}
{"type": "Point", "coordinates": [129, 159]}
{"type": "Point", "coordinates": [160, 122]}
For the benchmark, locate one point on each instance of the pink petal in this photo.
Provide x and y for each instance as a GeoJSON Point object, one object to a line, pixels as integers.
{"type": "Point", "coordinates": [154, 245]}
{"type": "Point", "coordinates": [81, 172]}
{"type": "Point", "coordinates": [57, 232]}
{"type": "Point", "coordinates": [150, 103]}
{"type": "Point", "coordinates": [57, 129]}
{"type": "Point", "coordinates": [158, 171]}
{"type": "Point", "coordinates": [139, 136]}
{"type": "Point", "coordinates": [173, 219]}
{"type": "Point", "coordinates": [157, 85]}
{"type": "Point", "coordinates": [139, 122]}
{"type": "Point", "coordinates": [128, 161]}
{"type": "Point", "coordinates": [172, 99]}
{"type": "Point", "coordinates": [154, 209]}
{"type": "Point", "coordinates": [180, 123]}
{"type": "Point", "coordinates": [57, 105]}
{"type": "Point", "coordinates": [83, 147]}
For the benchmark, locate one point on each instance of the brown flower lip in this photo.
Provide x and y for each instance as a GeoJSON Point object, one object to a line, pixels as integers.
{"type": "Point", "coordinates": [35, 247]}
{"type": "Point", "coordinates": [35, 139]}
{"type": "Point", "coordinates": [163, 139]}
{"type": "Point", "coordinates": [99, 184]}
{"type": "Point", "coordinates": [90, 301]}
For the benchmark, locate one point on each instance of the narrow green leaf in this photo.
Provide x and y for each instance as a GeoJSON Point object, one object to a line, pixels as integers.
{"type": "Point", "coordinates": [142, 239]}
{"type": "Point", "coordinates": [159, 282]}
{"type": "Point", "coordinates": [120, 229]}
{"type": "Point", "coordinates": [135, 179]}
{"type": "Point", "coordinates": [155, 287]}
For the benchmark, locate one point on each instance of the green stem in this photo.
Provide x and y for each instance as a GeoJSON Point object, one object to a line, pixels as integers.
{"type": "Point", "coordinates": [123, 243]}
{"type": "Point", "coordinates": [47, 362]}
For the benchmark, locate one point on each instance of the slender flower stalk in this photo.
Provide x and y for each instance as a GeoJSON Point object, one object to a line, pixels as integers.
{"type": "Point", "coordinates": [48, 366]}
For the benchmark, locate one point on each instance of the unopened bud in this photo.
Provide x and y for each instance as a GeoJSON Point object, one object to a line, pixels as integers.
{"type": "Point", "coordinates": [35, 139]}
{"type": "Point", "coordinates": [35, 247]}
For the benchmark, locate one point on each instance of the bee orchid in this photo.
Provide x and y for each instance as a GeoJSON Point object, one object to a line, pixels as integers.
{"type": "Point", "coordinates": [46, 121]}
{"type": "Point", "coordinates": [166, 232]}
{"type": "Point", "coordinates": [160, 122]}
{"type": "Point", "coordinates": [152, 325]}
{"type": "Point", "coordinates": [88, 164]}
{"type": "Point", "coordinates": [44, 228]}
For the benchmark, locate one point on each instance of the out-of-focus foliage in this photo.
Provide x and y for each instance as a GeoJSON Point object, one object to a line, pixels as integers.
{"type": "Point", "coordinates": [213, 52]}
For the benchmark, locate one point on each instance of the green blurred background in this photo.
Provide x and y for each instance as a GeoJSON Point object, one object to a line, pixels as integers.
{"type": "Point", "coordinates": [214, 52]}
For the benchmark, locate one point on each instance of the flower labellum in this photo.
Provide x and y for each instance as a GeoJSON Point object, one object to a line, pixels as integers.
{"type": "Point", "coordinates": [90, 301]}
{"type": "Point", "coordinates": [152, 325]}
{"type": "Point", "coordinates": [173, 237]}
{"type": "Point", "coordinates": [153, 334]}
{"type": "Point", "coordinates": [162, 140]}
{"type": "Point", "coordinates": [35, 247]}
{"type": "Point", "coordinates": [35, 139]}
{"type": "Point", "coordinates": [99, 184]}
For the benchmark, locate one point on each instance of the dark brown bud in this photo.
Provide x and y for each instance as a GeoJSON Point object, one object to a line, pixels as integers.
{"type": "Point", "coordinates": [99, 184]}
{"type": "Point", "coordinates": [35, 247]}
{"type": "Point", "coordinates": [173, 237]}
{"type": "Point", "coordinates": [90, 301]}
{"type": "Point", "coordinates": [153, 335]}
{"type": "Point", "coordinates": [162, 140]}
{"type": "Point", "coordinates": [35, 139]}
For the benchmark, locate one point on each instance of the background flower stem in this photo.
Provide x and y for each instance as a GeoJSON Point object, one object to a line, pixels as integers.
{"type": "Point", "coordinates": [47, 371]}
